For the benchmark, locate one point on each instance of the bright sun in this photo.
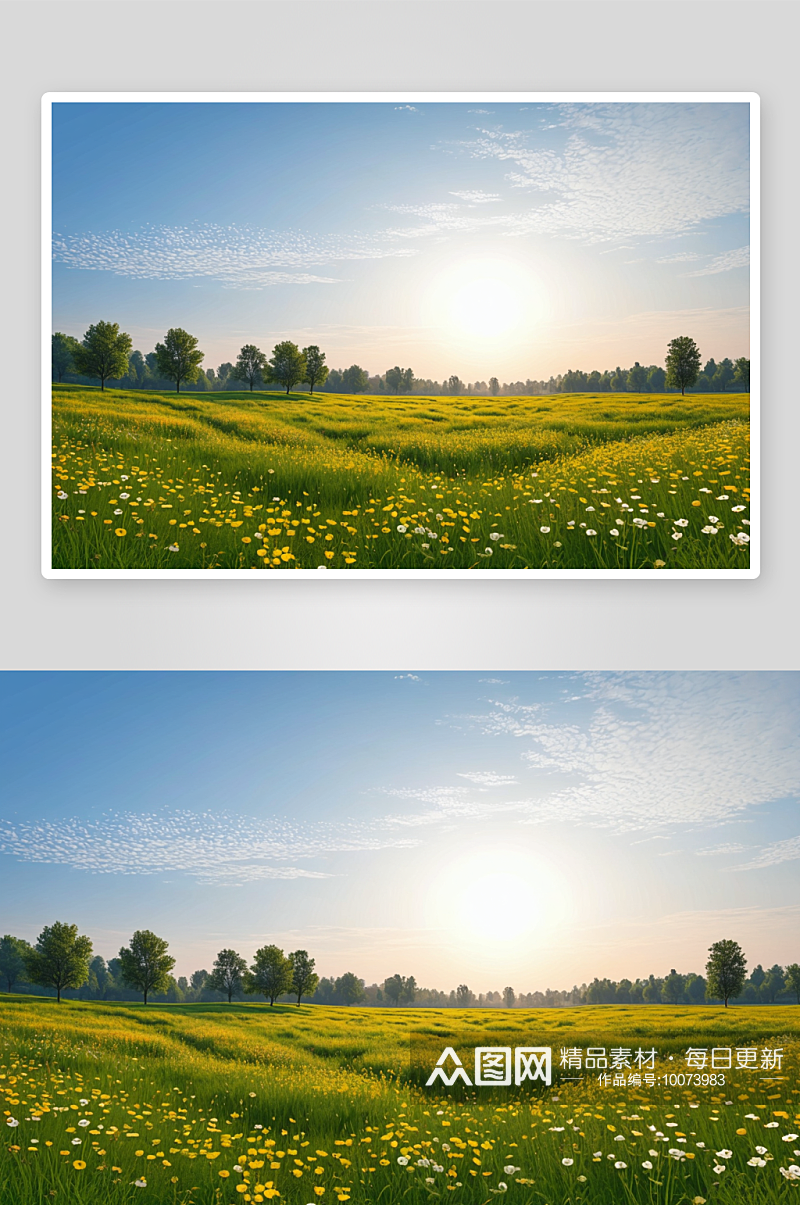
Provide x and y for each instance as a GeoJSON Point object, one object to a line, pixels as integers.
{"type": "Point", "coordinates": [485, 299]}
{"type": "Point", "coordinates": [486, 307]}
{"type": "Point", "coordinates": [497, 897]}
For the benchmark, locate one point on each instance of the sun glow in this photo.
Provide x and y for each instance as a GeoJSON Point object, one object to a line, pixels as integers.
{"type": "Point", "coordinates": [497, 897]}
{"type": "Point", "coordinates": [486, 307]}
{"type": "Point", "coordinates": [490, 300]}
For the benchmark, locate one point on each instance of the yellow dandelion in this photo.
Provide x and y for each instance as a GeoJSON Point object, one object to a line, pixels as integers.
{"type": "Point", "coordinates": [78, 1164]}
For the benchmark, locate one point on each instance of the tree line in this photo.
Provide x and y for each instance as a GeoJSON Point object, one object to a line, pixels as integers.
{"type": "Point", "coordinates": [106, 354]}
{"type": "Point", "coordinates": [62, 962]}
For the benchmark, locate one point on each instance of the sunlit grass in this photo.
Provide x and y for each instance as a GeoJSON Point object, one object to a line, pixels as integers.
{"type": "Point", "coordinates": [261, 482]}
{"type": "Point", "coordinates": [213, 1105]}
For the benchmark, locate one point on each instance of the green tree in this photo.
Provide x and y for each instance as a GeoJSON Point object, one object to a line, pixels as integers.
{"type": "Point", "coordinates": [619, 381]}
{"type": "Point", "coordinates": [401, 380]}
{"type": "Point", "coordinates": [454, 385]}
{"type": "Point", "coordinates": [774, 983]}
{"type": "Point", "coordinates": [137, 369]}
{"type": "Point", "coordinates": [637, 379]}
{"type": "Point", "coordinates": [250, 365]}
{"type": "Point", "coordinates": [63, 351]}
{"type": "Point", "coordinates": [178, 358]}
{"type": "Point", "coordinates": [741, 373]}
{"type": "Point", "coordinates": [223, 373]}
{"type": "Point", "coordinates": [656, 380]}
{"type": "Point", "coordinates": [349, 989]}
{"type": "Point", "coordinates": [464, 997]}
{"type": "Point", "coordinates": [494, 386]}
{"type": "Point", "coordinates": [145, 965]}
{"type": "Point", "coordinates": [725, 970]}
{"type": "Point", "coordinates": [683, 363]}
{"type": "Point", "coordinates": [304, 979]}
{"type": "Point", "coordinates": [287, 366]}
{"type": "Point", "coordinates": [695, 989]}
{"type": "Point", "coordinates": [198, 981]}
{"type": "Point", "coordinates": [103, 352]}
{"type": "Point", "coordinates": [393, 987]}
{"type": "Point", "coordinates": [14, 953]}
{"type": "Point", "coordinates": [355, 379]}
{"type": "Point", "coordinates": [227, 974]}
{"type": "Point", "coordinates": [60, 958]}
{"type": "Point", "coordinates": [509, 996]}
{"type": "Point", "coordinates": [792, 979]}
{"type": "Point", "coordinates": [270, 975]}
{"type": "Point", "coordinates": [672, 988]}
{"type": "Point", "coordinates": [394, 378]}
{"type": "Point", "coordinates": [316, 369]}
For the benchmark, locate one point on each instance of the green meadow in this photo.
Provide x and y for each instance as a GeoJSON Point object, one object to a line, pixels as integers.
{"type": "Point", "coordinates": [266, 481]}
{"type": "Point", "coordinates": [216, 1104]}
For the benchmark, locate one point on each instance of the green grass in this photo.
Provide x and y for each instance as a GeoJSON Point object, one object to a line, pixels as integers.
{"type": "Point", "coordinates": [206, 1089]}
{"type": "Point", "coordinates": [269, 481]}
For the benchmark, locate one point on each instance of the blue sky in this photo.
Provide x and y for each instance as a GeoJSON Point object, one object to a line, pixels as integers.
{"type": "Point", "coordinates": [503, 239]}
{"type": "Point", "coordinates": [524, 828]}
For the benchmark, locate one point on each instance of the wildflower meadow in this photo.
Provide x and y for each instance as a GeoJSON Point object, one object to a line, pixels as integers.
{"type": "Point", "coordinates": [215, 1105]}
{"type": "Point", "coordinates": [266, 481]}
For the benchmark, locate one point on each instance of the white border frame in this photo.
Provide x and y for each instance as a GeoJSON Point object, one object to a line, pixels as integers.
{"type": "Point", "coordinates": [750, 98]}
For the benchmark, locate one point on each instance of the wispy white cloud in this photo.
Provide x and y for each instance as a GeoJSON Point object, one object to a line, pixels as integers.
{"type": "Point", "coordinates": [729, 847]}
{"type": "Point", "coordinates": [412, 677]}
{"type": "Point", "coordinates": [476, 197]}
{"type": "Point", "coordinates": [235, 256]}
{"type": "Point", "coordinates": [494, 681]}
{"type": "Point", "coordinates": [772, 855]}
{"type": "Point", "coordinates": [410, 108]}
{"type": "Point", "coordinates": [682, 257]}
{"type": "Point", "coordinates": [739, 258]}
{"type": "Point", "coordinates": [663, 749]}
{"type": "Point", "coordinates": [610, 180]}
{"type": "Point", "coordinates": [487, 778]}
{"type": "Point", "coordinates": [211, 848]}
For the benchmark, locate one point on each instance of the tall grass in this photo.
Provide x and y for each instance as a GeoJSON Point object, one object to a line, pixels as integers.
{"type": "Point", "coordinates": [213, 1105]}
{"type": "Point", "coordinates": [266, 482]}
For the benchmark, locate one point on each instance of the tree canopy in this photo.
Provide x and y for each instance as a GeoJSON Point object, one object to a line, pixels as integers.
{"type": "Point", "coordinates": [725, 969]}
{"type": "Point", "coordinates": [103, 353]}
{"type": "Point", "coordinates": [316, 369]}
{"type": "Point", "coordinates": [14, 953]}
{"type": "Point", "coordinates": [287, 365]}
{"type": "Point", "coordinates": [250, 365]}
{"type": "Point", "coordinates": [227, 974]}
{"type": "Point", "coordinates": [270, 974]}
{"type": "Point", "coordinates": [741, 373]}
{"type": "Point", "coordinates": [145, 964]}
{"type": "Point", "coordinates": [60, 958]}
{"type": "Point", "coordinates": [304, 978]}
{"type": "Point", "coordinates": [683, 363]}
{"type": "Point", "coordinates": [178, 358]}
{"type": "Point", "coordinates": [64, 352]}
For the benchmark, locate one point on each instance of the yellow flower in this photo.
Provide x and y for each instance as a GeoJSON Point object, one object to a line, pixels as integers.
{"type": "Point", "coordinates": [78, 1164]}
{"type": "Point", "coordinates": [319, 1190]}
{"type": "Point", "coordinates": [224, 1174]}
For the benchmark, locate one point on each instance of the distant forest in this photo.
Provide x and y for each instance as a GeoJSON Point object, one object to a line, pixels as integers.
{"type": "Point", "coordinates": [143, 373]}
{"type": "Point", "coordinates": [777, 985]}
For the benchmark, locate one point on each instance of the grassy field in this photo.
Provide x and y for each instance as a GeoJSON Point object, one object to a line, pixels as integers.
{"type": "Point", "coordinates": [216, 1105]}
{"type": "Point", "coordinates": [267, 481]}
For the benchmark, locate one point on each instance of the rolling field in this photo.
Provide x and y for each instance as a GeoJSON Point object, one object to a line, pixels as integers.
{"type": "Point", "coordinates": [216, 1105]}
{"type": "Point", "coordinates": [263, 481]}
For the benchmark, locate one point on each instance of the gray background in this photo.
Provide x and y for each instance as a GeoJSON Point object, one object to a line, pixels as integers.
{"type": "Point", "coordinates": [398, 45]}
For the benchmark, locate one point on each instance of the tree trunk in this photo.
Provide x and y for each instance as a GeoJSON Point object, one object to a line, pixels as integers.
{"type": "Point", "coordinates": [58, 990]}
{"type": "Point", "coordinates": [145, 995]}
{"type": "Point", "coordinates": [178, 385]}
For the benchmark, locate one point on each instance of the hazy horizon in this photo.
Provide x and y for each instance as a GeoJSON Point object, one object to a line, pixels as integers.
{"type": "Point", "coordinates": [534, 829]}
{"type": "Point", "coordinates": [505, 240]}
